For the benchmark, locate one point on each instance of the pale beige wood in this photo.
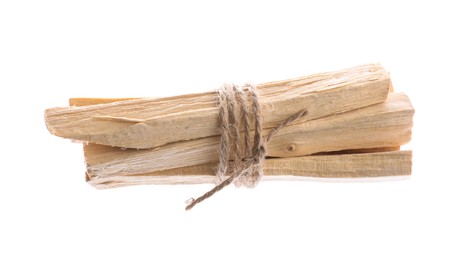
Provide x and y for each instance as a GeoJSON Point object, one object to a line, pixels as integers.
{"type": "Point", "coordinates": [387, 124]}
{"type": "Point", "coordinates": [95, 101]}
{"type": "Point", "coordinates": [361, 150]}
{"type": "Point", "coordinates": [381, 164]}
{"type": "Point", "coordinates": [88, 101]}
{"type": "Point", "coordinates": [153, 122]}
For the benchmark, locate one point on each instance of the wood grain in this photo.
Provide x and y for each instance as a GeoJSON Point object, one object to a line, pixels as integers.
{"type": "Point", "coordinates": [154, 122]}
{"type": "Point", "coordinates": [95, 101]}
{"type": "Point", "coordinates": [380, 164]}
{"type": "Point", "coordinates": [387, 124]}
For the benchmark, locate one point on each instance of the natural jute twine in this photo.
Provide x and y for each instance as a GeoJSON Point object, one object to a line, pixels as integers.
{"type": "Point", "coordinates": [233, 166]}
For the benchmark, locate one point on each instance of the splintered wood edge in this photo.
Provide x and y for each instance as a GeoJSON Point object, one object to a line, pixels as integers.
{"type": "Point", "coordinates": [88, 101]}
{"type": "Point", "coordinates": [359, 165]}
{"type": "Point", "coordinates": [95, 101]}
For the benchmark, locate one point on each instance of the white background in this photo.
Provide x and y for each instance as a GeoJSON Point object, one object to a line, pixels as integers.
{"type": "Point", "coordinates": [53, 50]}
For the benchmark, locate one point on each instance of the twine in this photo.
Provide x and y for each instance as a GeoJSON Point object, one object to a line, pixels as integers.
{"type": "Point", "coordinates": [243, 170]}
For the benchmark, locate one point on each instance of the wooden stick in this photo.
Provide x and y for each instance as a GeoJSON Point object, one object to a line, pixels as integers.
{"type": "Point", "coordinates": [386, 124]}
{"type": "Point", "coordinates": [395, 163]}
{"type": "Point", "coordinates": [153, 122]}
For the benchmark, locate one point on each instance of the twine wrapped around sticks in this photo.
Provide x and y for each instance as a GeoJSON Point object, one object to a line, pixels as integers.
{"type": "Point", "coordinates": [233, 167]}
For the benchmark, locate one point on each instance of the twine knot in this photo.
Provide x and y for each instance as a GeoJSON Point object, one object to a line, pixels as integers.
{"type": "Point", "coordinates": [234, 166]}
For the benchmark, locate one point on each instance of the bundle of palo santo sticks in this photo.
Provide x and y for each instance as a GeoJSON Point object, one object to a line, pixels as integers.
{"type": "Point", "coordinates": [354, 127]}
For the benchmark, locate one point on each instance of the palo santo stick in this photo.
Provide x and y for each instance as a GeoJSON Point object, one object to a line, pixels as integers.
{"type": "Point", "coordinates": [153, 122]}
{"type": "Point", "coordinates": [395, 163]}
{"type": "Point", "coordinates": [96, 101]}
{"type": "Point", "coordinates": [386, 124]}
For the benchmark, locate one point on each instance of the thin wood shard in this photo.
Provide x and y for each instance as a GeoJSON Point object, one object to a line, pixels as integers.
{"type": "Point", "coordinates": [95, 101]}
{"type": "Point", "coordinates": [379, 164]}
{"type": "Point", "coordinates": [151, 122]}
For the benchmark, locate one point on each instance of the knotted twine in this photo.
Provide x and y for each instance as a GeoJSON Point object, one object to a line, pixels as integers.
{"type": "Point", "coordinates": [233, 166]}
